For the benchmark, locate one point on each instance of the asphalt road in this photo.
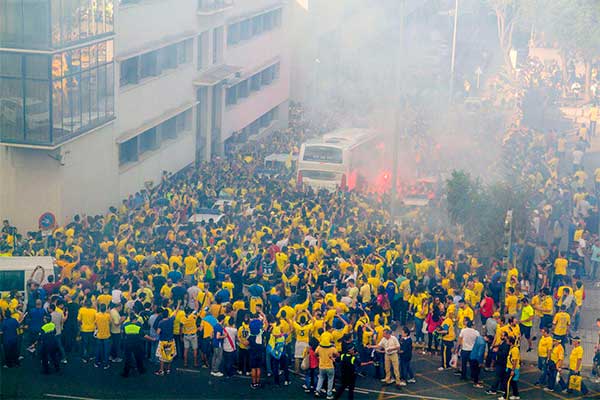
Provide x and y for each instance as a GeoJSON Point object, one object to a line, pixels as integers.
{"type": "Point", "coordinates": [78, 381]}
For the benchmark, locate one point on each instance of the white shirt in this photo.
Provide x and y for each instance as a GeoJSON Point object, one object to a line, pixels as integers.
{"type": "Point", "coordinates": [116, 296]}
{"type": "Point", "coordinates": [468, 335]}
{"type": "Point", "coordinates": [193, 296]}
{"type": "Point", "coordinates": [389, 344]}
{"type": "Point", "coordinates": [232, 332]}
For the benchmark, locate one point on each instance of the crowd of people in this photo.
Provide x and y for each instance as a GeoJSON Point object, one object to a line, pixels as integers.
{"type": "Point", "coordinates": [292, 280]}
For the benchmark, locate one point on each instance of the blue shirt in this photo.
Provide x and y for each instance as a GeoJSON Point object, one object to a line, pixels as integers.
{"type": "Point", "coordinates": [166, 328]}
{"type": "Point", "coordinates": [9, 330]}
{"type": "Point", "coordinates": [478, 350]}
{"type": "Point", "coordinates": [36, 319]}
{"type": "Point", "coordinates": [217, 329]}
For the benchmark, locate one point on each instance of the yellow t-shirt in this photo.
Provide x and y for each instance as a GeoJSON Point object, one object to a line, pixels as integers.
{"type": "Point", "coordinates": [560, 266]}
{"type": "Point", "coordinates": [451, 335]}
{"type": "Point", "coordinates": [557, 354]}
{"type": "Point", "coordinates": [511, 304]}
{"type": "Point", "coordinates": [102, 322]}
{"type": "Point", "coordinates": [189, 324]}
{"type": "Point", "coordinates": [562, 321]}
{"type": "Point", "coordinates": [191, 265]}
{"type": "Point", "coordinates": [87, 317]}
{"type": "Point", "coordinates": [303, 332]}
{"type": "Point", "coordinates": [325, 356]}
{"type": "Point", "coordinates": [514, 358]}
{"type": "Point", "coordinates": [544, 346]}
{"type": "Point", "coordinates": [576, 355]}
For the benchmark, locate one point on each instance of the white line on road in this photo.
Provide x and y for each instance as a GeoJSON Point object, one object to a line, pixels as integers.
{"type": "Point", "coordinates": [64, 396]}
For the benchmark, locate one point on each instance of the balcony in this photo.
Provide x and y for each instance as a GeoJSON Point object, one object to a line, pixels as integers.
{"type": "Point", "coordinates": [212, 7]}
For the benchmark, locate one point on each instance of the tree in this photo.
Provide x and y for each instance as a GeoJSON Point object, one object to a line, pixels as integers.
{"type": "Point", "coordinates": [507, 14]}
{"type": "Point", "coordinates": [575, 26]}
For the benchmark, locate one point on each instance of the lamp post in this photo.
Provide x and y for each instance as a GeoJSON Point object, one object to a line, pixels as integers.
{"type": "Point", "coordinates": [453, 59]}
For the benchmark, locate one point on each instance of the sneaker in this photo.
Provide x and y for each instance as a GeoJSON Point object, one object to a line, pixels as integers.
{"type": "Point", "coordinates": [514, 398]}
{"type": "Point", "coordinates": [253, 386]}
{"type": "Point", "coordinates": [31, 349]}
{"type": "Point", "coordinates": [219, 374]}
{"type": "Point", "coordinates": [96, 365]}
{"type": "Point", "coordinates": [457, 373]}
{"type": "Point", "coordinates": [247, 373]}
{"type": "Point", "coordinates": [64, 361]}
{"type": "Point", "coordinates": [330, 397]}
{"type": "Point", "coordinates": [84, 360]}
{"type": "Point", "coordinates": [118, 360]}
{"type": "Point", "coordinates": [547, 389]}
{"type": "Point", "coordinates": [478, 386]}
{"type": "Point", "coordinates": [411, 381]}
{"type": "Point", "coordinates": [402, 383]}
{"type": "Point", "coordinates": [269, 374]}
{"type": "Point", "coordinates": [318, 394]}
{"type": "Point", "coordinates": [21, 358]}
{"type": "Point", "coordinates": [159, 373]}
{"type": "Point", "coordinates": [107, 366]}
{"type": "Point", "coordinates": [307, 390]}
{"type": "Point", "coordinates": [490, 391]}
{"type": "Point", "coordinates": [304, 386]}
{"type": "Point", "coordinates": [441, 368]}
{"type": "Point", "coordinates": [384, 380]}
{"type": "Point", "coordinates": [239, 372]}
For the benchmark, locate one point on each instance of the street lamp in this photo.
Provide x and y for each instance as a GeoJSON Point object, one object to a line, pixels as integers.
{"type": "Point", "coordinates": [453, 59]}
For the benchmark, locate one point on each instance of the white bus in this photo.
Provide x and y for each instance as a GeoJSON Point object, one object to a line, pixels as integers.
{"type": "Point", "coordinates": [16, 271]}
{"type": "Point", "coordinates": [344, 158]}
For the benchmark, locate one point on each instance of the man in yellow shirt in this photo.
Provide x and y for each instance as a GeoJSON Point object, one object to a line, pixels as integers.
{"type": "Point", "coordinates": [560, 324]}
{"type": "Point", "coordinates": [513, 367]}
{"type": "Point", "coordinates": [560, 269]}
{"type": "Point", "coordinates": [102, 326]}
{"type": "Point", "coordinates": [87, 323]}
{"type": "Point", "coordinates": [189, 329]}
{"type": "Point", "coordinates": [448, 336]}
{"type": "Point", "coordinates": [557, 356]}
{"type": "Point", "coordinates": [543, 350]}
{"type": "Point", "coordinates": [464, 312]}
{"type": "Point", "coordinates": [575, 363]}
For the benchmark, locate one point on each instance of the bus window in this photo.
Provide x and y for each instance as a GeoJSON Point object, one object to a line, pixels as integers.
{"type": "Point", "coordinates": [323, 154]}
{"type": "Point", "coordinates": [12, 280]}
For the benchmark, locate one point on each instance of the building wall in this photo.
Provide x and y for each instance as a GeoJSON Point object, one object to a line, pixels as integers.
{"type": "Point", "coordinates": [88, 178]}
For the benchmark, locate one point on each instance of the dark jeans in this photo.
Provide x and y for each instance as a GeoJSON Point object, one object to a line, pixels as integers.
{"type": "Point", "coordinates": [475, 370]}
{"type": "Point", "coordinates": [277, 365]}
{"type": "Point", "coordinates": [447, 347]}
{"type": "Point", "coordinates": [244, 360]}
{"type": "Point", "coordinates": [514, 385]}
{"type": "Point", "coordinates": [102, 351]}
{"type": "Point", "coordinates": [551, 376]}
{"type": "Point", "coordinates": [500, 382]}
{"type": "Point", "coordinates": [490, 356]}
{"type": "Point", "coordinates": [432, 340]}
{"type": "Point", "coordinates": [49, 352]}
{"type": "Point", "coordinates": [115, 345]}
{"type": "Point", "coordinates": [348, 382]}
{"type": "Point", "coordinates": [133, 350]}
{"type": "Point", "coordinates": [228, 359]}
{"type": "Point", "coordinates": [543, 367]}
{"type": "Point", "coordinates": [464, 361]}
{"type": "Point", "coordinates": [310, 379]}
{"type": "Point", "coordinates": [406, 371]}
{"type": "Point", "coordinates": [11, 353]}
{"type": "Point", "coordinates": [87, 339]}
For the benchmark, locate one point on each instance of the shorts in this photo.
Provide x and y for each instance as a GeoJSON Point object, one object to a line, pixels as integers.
{"type": "Point", "coordinates": [255, 360]}
{"type": "Point", "coordinates": [299, 349]}
{"type": "Point", "coordinates": [525, 331]}
{"type": "Point", "coordinates": [190, 341]}
{"type": "Point", "coordinates": [166, 350]}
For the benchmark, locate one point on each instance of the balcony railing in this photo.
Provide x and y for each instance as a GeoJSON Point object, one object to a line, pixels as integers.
{"type": "Point", "coordinates": [210, 7]}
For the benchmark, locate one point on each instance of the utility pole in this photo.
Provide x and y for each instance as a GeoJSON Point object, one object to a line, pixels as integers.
{"type": "Point", "coordinates": [398, 87]}
{"type": "Point", "coordinates": [453, 60]}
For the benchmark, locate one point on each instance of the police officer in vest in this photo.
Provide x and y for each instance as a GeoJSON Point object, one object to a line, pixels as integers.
{"type": "Point", "coordinates": [133, 345]}
{"type": "Point", "coordinates": [349, 362]}
{"type": "Point", "coordinates": [49, 345]}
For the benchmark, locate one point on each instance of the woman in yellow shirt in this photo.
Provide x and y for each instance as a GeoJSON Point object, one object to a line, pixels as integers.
{"type": "Point", "coordinates": [102, 322]}
{"type": "Point", "coordinates": [513, 366]}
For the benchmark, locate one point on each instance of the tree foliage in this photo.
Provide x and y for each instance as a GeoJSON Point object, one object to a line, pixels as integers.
{"type": "Point", "coordinates": [507, 14]}
{"type": "Point", "coordinates": [480, 210]}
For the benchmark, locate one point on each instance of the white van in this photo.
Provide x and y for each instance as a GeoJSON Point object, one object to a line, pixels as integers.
{"type": "Point", "coordinates": [16, 271]}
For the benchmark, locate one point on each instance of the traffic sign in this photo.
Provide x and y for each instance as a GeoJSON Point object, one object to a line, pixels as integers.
{"type": "Point", "coordinates": [47, 221]}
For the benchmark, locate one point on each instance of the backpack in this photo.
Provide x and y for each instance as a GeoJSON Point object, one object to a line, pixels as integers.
{"type": "Point", "coordinates": [277, 350]}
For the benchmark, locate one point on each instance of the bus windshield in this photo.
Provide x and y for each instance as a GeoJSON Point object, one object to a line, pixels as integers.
{"type": "Point", "coordinates": [318, 175]}
{"type": "Point", "coordinates": [323, 154]}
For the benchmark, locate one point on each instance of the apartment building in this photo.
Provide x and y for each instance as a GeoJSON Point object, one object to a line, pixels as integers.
{"type": "Point", "coordinates": [98, 97]}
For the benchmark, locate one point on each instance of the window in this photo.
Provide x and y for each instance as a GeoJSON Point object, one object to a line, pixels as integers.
{"type": "Point", "coordinates": [12, 280]}
{"type": "Point", "coordinates": [217, 45]}
{"type": "Point", "coordinates": [231, 96]}
{"type": "Point", "coordinates": [148, 140]}
{"type": "Point", "coordinates": [233, 34]}
{"type": "Point", "coordinates": [246, 29]}
{"type": "Point", "coordinates": [149, 64]}
{"type": "Point", "coordinates": [319, 175]}
{"type": "Point", "coordinates": [184, 51]}
{"type": "Point", "coordinates": [253, 26]}
{"type": "Point", "coordinates": [267, 76]}
{"type": "Point", "coordinates": [169, 128]}
{"type": "Point", "coordinates": [129, 71]}
{"type": "Point", "coordinates": [255, 82]}
{"type": "Point", "coordinates": [257, 25]}
{"type": "Point", "coordinates": [202, 50]}
{"type": "Point", "coordinates": [323, 154]}
{"type": "Point", "coordinates": [45, 99]}
{"type": "Point", "coordinates": [242, 89]}
{"type": "Point", "coordinates": [184, 121]}
{"type": "Point", "coordinates": [168, 57]}
{"type": "Point", "coordinates": [128, 151]}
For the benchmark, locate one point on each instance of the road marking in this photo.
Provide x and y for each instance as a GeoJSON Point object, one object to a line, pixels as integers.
{"type": "Point", "coordinates": [64, 396]}
{"type": "Point", "coordinates": [396, 395]}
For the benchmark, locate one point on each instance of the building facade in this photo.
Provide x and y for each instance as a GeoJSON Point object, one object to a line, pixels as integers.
{"type": "Point", "coordinates": [99, 97]}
